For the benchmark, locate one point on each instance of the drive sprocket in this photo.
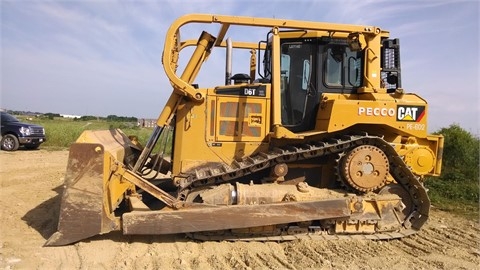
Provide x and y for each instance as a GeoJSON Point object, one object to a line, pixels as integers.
{"type": "Point", "coordinates": [365, 168]}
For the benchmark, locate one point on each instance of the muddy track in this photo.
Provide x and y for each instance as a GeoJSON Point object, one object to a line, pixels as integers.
{"type": "Point", "coordinates": [30, 182]}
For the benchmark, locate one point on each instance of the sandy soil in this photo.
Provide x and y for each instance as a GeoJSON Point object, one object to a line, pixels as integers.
{"type": "Point", "coordinates": [29, 202]}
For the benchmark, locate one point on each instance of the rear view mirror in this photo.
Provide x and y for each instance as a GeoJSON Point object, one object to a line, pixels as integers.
{"type": "Point", "coordinates": [356, 42]}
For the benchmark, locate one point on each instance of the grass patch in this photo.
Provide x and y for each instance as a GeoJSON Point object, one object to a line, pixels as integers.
{"type": "Point", "coordinates": [459, 197]}
{"type": "Point", "coordinates": [61, 132]}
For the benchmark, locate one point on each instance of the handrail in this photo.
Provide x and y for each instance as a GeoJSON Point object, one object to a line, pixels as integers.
{"type": "Point", "coordinates": [186, 89]}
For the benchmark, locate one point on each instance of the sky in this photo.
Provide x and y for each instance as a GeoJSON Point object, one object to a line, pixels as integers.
{"type": "Point", "coordinates": [103, 57]}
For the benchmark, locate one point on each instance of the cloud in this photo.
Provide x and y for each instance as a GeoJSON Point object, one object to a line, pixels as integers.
{"type": "Point", "coordinates": [106, 55]}
{"type": "Point", "coordinates": [80, 86]}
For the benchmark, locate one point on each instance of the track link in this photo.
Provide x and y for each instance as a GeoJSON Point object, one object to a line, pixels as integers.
{"type": "Point", "coordinates": [311, 235]}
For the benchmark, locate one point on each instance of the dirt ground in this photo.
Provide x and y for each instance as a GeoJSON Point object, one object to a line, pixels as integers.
{"type": "Point", "coordinates": [29, 200]}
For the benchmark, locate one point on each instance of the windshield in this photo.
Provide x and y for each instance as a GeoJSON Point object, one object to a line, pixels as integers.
{"type": "Point", "coordinates": [8, 118]}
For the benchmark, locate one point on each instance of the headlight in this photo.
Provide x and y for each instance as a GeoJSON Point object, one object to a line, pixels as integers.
{"type": "Point", "coordinates": [25, 131]}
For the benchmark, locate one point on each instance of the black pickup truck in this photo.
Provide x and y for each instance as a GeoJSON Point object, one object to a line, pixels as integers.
{"type": "Point", "coordinates": [15, 133]}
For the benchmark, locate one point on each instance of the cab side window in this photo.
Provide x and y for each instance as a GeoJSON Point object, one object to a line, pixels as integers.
{"type": "Point", "coordinates": [342, 69]}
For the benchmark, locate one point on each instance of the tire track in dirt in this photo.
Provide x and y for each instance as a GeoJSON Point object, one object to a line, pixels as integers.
{"type": "Point", "coordinates": [215, 257]}
{"type": "Point", "coordinates": [443, 241]}
{"type": "Point", "coordinates": [430, 250]}
{"type": "Point", "coordinates": [280, 255]}
{"type": "Point", "coordinates": [301, 255]}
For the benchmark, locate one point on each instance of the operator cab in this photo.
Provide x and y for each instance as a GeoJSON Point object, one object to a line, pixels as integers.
{"type": "Point", "coordinates": [310, 67]}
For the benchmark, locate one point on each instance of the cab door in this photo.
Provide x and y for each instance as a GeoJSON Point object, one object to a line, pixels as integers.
{"type": "Point", "coordinates": [298, 93]}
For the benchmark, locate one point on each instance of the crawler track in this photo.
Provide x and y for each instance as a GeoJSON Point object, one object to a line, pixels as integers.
{"type": "Point", "coordinates": [398, 169]}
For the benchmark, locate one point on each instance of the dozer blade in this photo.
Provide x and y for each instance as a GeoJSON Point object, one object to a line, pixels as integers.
{"type": "Point", "coordinates": [84, 210]}
{"type": "Point", "coordinates": [81, 209]}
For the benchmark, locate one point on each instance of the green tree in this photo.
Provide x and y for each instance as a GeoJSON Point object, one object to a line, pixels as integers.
{"type": "Point", "coordinates": [460, 154]}
{"type": "Point", "coordinates": [457, 189]}
{"type": "Point", "coordinates": [115, 118]}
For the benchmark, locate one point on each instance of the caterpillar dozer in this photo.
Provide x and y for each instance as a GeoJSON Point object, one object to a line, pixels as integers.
{"type": "Point", "coordinates": [316, 139]}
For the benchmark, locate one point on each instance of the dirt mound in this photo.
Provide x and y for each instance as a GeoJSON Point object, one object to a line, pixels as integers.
{"type": "Point", "coordinates": [29, 200]}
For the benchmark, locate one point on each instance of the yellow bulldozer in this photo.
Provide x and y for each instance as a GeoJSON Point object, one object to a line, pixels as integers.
{"type": "Point", "coordinates": [316, 138]}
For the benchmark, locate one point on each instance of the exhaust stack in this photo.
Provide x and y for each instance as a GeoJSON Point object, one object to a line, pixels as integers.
{"type": "Point", "coordinates": [228, 64]}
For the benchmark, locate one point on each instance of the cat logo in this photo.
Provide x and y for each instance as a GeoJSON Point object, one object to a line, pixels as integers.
{"type": "Point", "coordinates": [410, 113]}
